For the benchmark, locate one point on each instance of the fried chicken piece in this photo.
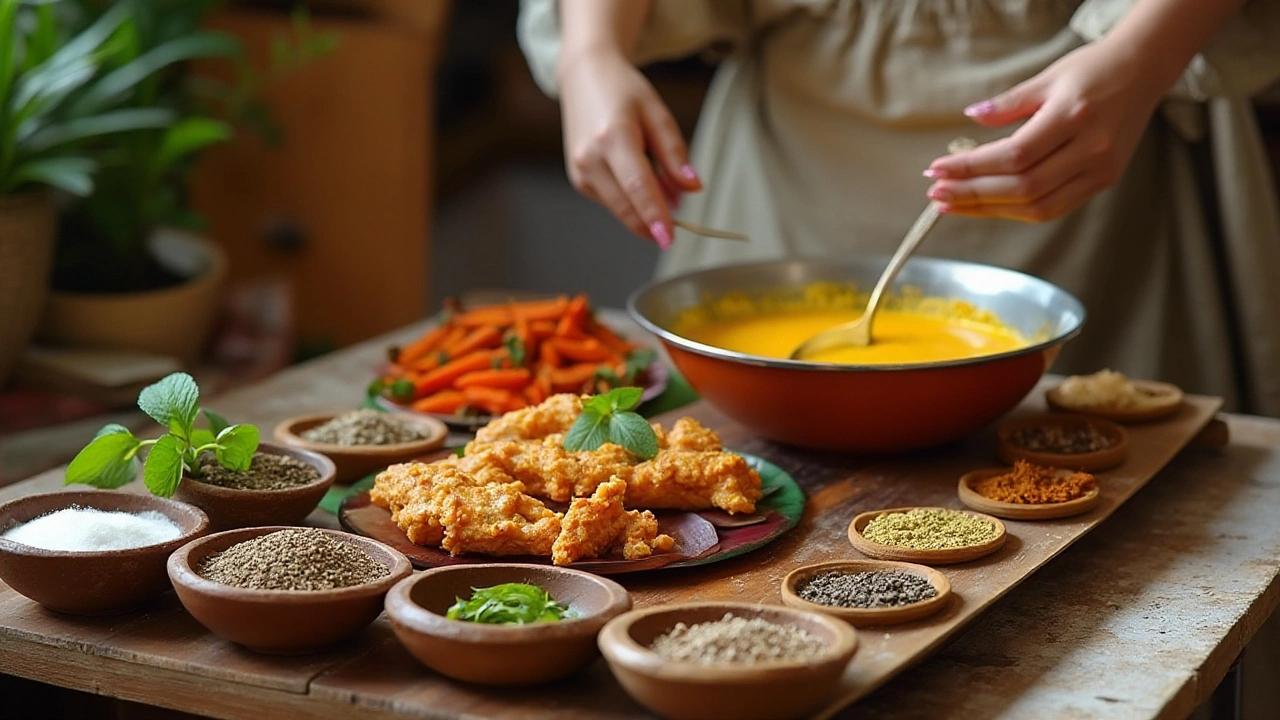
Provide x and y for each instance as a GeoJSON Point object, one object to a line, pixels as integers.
{"type": "Point", "coordinates": [689, 435]}
{"type": "Point", "coordinates": [545, 468]}
{"type": "Point", "coordinates": [554, 415]}
{"type": "Point", "coordinates": [413, 493]}
{"type": "Point", "coordinates": [594, 525]}
{"type": "Point", "coordinates": [496, 520]}
{"type": "Point", "coordinates": [694, 481]}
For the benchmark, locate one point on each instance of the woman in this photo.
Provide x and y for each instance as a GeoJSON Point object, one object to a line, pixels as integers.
{"type": "Point", "coordinates": [1138, 170]}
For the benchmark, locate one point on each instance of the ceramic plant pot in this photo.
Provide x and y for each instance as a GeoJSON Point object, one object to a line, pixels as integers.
{"type": "Point", "coordinates": [27, 229]}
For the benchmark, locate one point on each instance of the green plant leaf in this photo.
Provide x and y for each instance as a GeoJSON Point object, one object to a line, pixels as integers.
{"type": "Point", "coordinates": [72, 174]}
{"type": "Point", "coordinates": [201, 437]}
{"type": "Point", "coordinates": [588, 432]}
{"type": "Point", "coordinates": [173, 399]}
{"type": "Point", "coordinates": [633, 433]}
{"type": "Point", "coordinates": [85, 128]}
{"type": "Point", "coordinates": [598, 404]}
{"type": "Point", "coordinates": [107, 461]}
{"type": "Point", "coordinates": [236, 446]}
{"type": "Point", "coordinates": [187, 136]}
{"type": "Point", "coordinates": [623, 398]}
{"type": "Point", "coordinates": [637, 361]}
{"type": "Point", "coordinates": [217, 423]}
{"type": "Point", "coordinates": [8, 53]}
{"type": "Point", "coordinates": [163, 469]}
{"type": "Point", "coordinates": [119, 82]}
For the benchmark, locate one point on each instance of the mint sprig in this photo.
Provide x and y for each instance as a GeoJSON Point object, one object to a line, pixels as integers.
{"type": "Point", "coordinates": [110, 460]}
{"type": "Point", "coordinates": [608, 418]}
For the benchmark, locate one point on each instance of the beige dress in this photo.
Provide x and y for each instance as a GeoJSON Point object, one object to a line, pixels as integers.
{"type": "Point", "coordinates": [823, 113]}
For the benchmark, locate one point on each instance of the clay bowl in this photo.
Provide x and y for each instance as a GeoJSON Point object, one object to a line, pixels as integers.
{"type": "Point", "coordinates": [229, 508]}
{"type": "Point", "coordinates": [1160, 401]}
{"type": "Point", "coordinates": [502, 654]}
{"type": "Point", "coordinates": [353, 462]}
{"type": "Point", "coordinates": [859, 616]}
{"type": "Point", "coordinates": [1109, 457]}
{"type": "Point", "coordinates": [280, 622]}
{"type": "Point", "coordinates": [942, 556]}
{"type": "Point", "coordinates": [864, 408]}
{"type": "Point", "coordinates": [764, 691]}
{"type": "Point", "coordinates": [92, 583]}
{"type": "Point", "coordinates": [1022, 511]}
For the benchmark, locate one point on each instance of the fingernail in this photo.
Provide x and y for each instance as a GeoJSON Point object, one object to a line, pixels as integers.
{"type": "Point", "coordinates": [689, 173]}
{"type": "Point", "coordinates": [934, 174]}
{"type": "Point", "coordinates": [944, 208]}
{"type": "Point", "coordinates": [661, 234]}
{"type": "Point", "coordinates": [985, 107]}
{"type": "Point", "coordinates": [937, 194]}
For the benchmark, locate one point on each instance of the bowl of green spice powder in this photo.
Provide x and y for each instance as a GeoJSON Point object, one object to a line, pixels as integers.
{"type": "Point", "coordinates": [285, 590]}
{"type": "Point", "coordinates": [728, 660]}
{"type": "Point", "coordinates": [929, 535]}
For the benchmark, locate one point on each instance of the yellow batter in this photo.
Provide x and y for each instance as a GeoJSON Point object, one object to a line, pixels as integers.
{"type": "Point", "coordinates": [897, 337]}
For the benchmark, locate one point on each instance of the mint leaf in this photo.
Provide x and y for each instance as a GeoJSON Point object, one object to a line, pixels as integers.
{"type": "Point", "coordinates": [403, 389]}
{"type": "Point", "coordinates": [172, 402]}
{"type": "Point", "coordinates": [633, 433]}
{"type": "Point", "coordinates": [624, 398]}
{"type": "Point", "coordinates": [637, 362]}
{"type": "Point", "coordinates": [163, 469]}
{"type": "Point", "coordinates": [376, 387]}
{"type": "Point", "coordinates": [236, 446]}
{"type": "Point", "coordinates": [201, 437]}
{"type": "Point", "coordinates": [107, 462]}
{"type": "Point", "coordinates": [588, 432]}
{"type": "Point", "coordinates": [113, 429]}
{"type": "Point", "coordinates": [217, 423]}
{"type": "Point", "coordinates": [599, 405]}
{"type": "Point", "coordinates": [515, 348]}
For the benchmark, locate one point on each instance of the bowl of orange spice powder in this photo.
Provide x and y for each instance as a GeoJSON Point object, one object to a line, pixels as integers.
{"type": "Point", "coordinates": [1029, 492]}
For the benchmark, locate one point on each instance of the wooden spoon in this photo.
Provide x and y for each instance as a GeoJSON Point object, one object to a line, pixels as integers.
{"type": "Point", "coordinates": [858, 332]}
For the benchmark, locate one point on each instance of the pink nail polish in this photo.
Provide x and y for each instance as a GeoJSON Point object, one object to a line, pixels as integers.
{"type": "Point", "coordinates": [661, 235]}
{"type": "Point", "coordinates": [986, 107]}
{"type": "Point", "coordinates": [939, 195]}
{"type": "Point", "coordinates": [934, 174]}
{"type": "Point", "coordinates": [689, 173]}
{"type": "Point", "coordinates": [944, 208]}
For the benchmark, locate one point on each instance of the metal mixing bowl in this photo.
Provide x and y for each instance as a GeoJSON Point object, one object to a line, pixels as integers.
{"type": "Point", "coordinates": [865, 408]}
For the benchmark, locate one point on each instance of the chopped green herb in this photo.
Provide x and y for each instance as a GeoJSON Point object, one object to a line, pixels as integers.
{"type": "Point", "coordinates": [508, 604]}
{"type": "Point", "coordinates": [515, 348]}
{"type": "Point", "coordinates": [608, 418]}
{"type": "Point", "coordinates": [402, 389]}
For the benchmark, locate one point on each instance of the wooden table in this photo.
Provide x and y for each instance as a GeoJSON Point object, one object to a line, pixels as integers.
{"type": "Point", "coordinates": [1142, 618]}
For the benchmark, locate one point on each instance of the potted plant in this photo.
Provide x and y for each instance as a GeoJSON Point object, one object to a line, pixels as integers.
{"type": "Point", "coordinates": [221, 469]}
{"type": "Point", "coordinates": [59, 92]}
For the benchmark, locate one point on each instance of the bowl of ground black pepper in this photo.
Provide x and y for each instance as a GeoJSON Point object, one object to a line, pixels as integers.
{"type": "Point", "coordinates": [281, 487]}
{"type": "Point", "coordinates": [728, 660]}
{"type": "Point", "coordinates": [929, 535]}
{"type": "Point", "coordinates": [867, 592]}
{"type": "Point", "coordinates": [361, 442]}
{"type": "Point", "coordinates": [285, 590]}
{"type": "Point", "coordinates": [1029, 492]}
{"type": "Point", "coordinates": [1075, 442]}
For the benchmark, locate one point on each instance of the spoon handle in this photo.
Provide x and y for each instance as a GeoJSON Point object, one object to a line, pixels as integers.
{"type": "Point", "coordinates": [709, 232]}
{"type": "Point", "coordinates": [909, 243]}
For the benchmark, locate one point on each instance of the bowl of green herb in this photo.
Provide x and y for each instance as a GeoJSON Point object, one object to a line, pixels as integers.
{"type": "Point", "coordinates": [504, 623]}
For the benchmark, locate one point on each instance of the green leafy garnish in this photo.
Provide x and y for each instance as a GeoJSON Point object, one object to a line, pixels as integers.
{"type": "Point", "coordinates": [508, 604]}
{"type": "Point", "coordinates": [110, 460]}
{"type": "Point", "coordinates": [608, 418]}
{"type": "Point", "coordinates": [402, 389]}
{"type": "Point", "coordinates": [515, 348]}
{"type": "Point", "coordinates": [637, 361]}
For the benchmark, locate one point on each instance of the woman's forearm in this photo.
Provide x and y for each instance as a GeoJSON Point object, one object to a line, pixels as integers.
{"type": "Point", "coordinates": [589, 26]}
{"type": "Point", "coordinates": [1165, 35]}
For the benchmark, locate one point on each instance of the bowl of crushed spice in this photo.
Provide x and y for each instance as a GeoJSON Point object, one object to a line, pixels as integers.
{"type": "Point", "coordinates": [281, 487]}
{"type": "Point", "coordinates": [1111, 395]}
{"type": "Point", "coordinates": [285, 590]}
{"type": "Point", "coordinates": [930, 535]}
{"type": "Point", "coordinates": [867, 592]}
{"type": "Point", "coordinates": [1029, 492]}
{"type": "Point", "coordinates": [361, 442]}
{"type": "Point", "coordinates": [728, 660]}
{"type": "Point", "coordinates": [1074, 442]}
{"type": "Point", "coordinates": [92, 552]}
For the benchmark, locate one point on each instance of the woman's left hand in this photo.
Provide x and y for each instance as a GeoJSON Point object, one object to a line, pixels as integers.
{"type": "Point", "coordinates": [1087, 113]}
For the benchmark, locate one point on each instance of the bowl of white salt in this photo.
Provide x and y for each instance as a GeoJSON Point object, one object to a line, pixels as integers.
{"type": "Point", "coordinates": [93, 552]}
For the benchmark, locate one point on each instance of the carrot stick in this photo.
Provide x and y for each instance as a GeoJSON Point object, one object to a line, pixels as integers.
{"type": "Point", "coordinates": [443, 376]}
{"type": "Point", "coordinates": [481, 338]}
{"type": "Point", "coordinates": [445, 402]}
{"type": "Point", "coordinates": [586, 350]}
{"type": "Point", "coordinates": [610, 339]}
{"type": "Point", "coordinates": [427, 364]}
{"type": "Point", "coordinates": [422, 345]}
{"type": "Point", "coordinates": [514, 379]}
{"type": "Point", "coordinates": [544, 309]}
{"type": "Point", "coordinates": [574, 318]}
{"type": "Point", "coordinates": [542, 329]}
{"type": "Point", "coordinates": [548, 355]}
{"type": "Point", "coordinates": [573, 377]}
{"type": "Point", "coordinates": [492, 400]}
{"type": "Point", "coordinates": [533, 393]}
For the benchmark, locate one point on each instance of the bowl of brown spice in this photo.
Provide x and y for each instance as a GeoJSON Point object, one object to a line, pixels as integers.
{"type": "Point", "coordinates": [1029, 492]}
{"type": "Point", "coordinates": [1075, 442]}
{"type": "Point", "coordinates": [361, 442]}
{"type": "Point", "coordinates": [281, 487]}
{"type": "Point", "coordinates": [728, 660]}
{"type": "Point", "coordinates": [285, 590]}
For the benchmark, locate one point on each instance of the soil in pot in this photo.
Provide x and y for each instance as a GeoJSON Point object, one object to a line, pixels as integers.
{"type": "Point", "coordinates": [266, 472]}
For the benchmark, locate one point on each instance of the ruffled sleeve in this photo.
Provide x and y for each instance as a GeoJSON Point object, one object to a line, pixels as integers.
{"type": "Point", "coordinates": [674, 29]}
{"type": "Point", "coordinates": [1242, 60]}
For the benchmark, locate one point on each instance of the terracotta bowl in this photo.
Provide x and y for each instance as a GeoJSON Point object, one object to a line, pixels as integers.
{"type": "Point", "coordinates": [353, 462]}
{"type": "Point", "coordinates": [92, 583]}
{"type": "Point", "coordinates": [685, 690]}
{"type": "Point", "coordinates": [859, 616]}
{"type": "Point", "coordinates": [229, 508]}
{"type": "Point", "coordinates": [864, 408]}
{"type": "Point", "coordinates": [503, 654]}
{"type": "Point", "coordinates": [281, 622]}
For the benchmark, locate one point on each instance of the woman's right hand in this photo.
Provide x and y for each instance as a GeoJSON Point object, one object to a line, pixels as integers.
{"type": "Point", "coordinates": [613, 122]}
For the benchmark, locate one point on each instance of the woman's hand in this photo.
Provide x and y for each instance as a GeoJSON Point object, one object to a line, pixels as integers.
{"type": "Point", "coordinates": [613, 121]}
{"type": "Point", "coordinates": [1087, 113]}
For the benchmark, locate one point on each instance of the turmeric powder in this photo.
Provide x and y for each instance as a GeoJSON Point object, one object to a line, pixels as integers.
{"type": "Point", "coordinates": [1029, 484]}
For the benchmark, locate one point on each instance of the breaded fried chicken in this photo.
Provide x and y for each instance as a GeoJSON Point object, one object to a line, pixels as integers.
{"type": "Point", "coordinates": [554, 415]}
{"type": "Point", "coordinates": [413, 492]}
{"type": "Point", "coordinates": [596, 524]}
{"type": "Point", "coordinates": [496, 520]}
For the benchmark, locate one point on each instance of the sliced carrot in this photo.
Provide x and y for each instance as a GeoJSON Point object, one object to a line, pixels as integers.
{"type": "Point", "coordinates": [610, 339]}
{"type": "Point", "coordinates": [541, 329]}
{"type": "Point", "coordinates": [428, 363]}
{"type": "Point", "coordinates": [574, 319]}
{"type": "Point", "coordinates": [445, 402]}
{"type": "Point", "coordinates": [481, 338]}
{"type": "Point", "coordinates": [513, 379]}
{"type": "Point", "coordinates": [574, 377]}
{"type": "Point", "coordinates": [444, 376]}
{"type": "Point", "coordinates": [548, 355]}
{"type": "Point", "coordinates": [585, 350]}
{"type": "Point", "coordinates": [533, 393]}
{"type": "Point", "coordinates": [544, 309]}
{"type": "Point", "coordinates": [493, 400]}
{"type": "Point", "coordinates": [420, 347]}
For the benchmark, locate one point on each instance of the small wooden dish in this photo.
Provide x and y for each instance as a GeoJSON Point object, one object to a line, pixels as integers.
{"type": "Point", "coordinates": [356, 461]}
{"type": "Point", "coordinates": [1164, 400]}
{"type": "Point", "coordinates": [945, 556]}
{"type": "Point", "coordinates": [858, 616]}
{"type": "Point", "coordinates": [1011, 452]}
{"type": "Point", "coordinates": [762, 691]}
{"type": "Point", "coordinates": [1022, 511]}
